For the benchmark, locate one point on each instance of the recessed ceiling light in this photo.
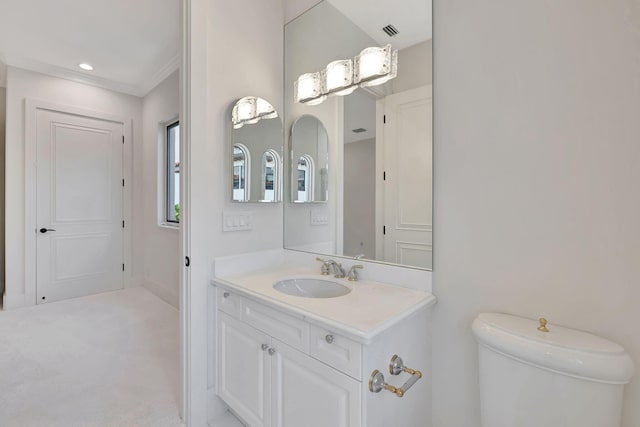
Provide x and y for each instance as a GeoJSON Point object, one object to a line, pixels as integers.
{"type": "Point", "coordinates": [85, 66]}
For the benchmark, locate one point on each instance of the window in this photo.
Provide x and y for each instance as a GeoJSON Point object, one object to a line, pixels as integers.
{"type": "Point", "coordinates": [305, 179]}
{"type": "Point", "coordinates": [270, 177]}
{"type": "Point", "coordinates": [173, 173]}
{"type": "Point", "coordinates": [241, 168]}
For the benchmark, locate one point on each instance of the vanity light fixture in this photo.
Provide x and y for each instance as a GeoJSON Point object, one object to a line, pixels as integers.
{"type": "Point", "coordinates": [250, 110]}
{"type": "Point", "coordinates": [308, 89]}
{"type": "Point", "coordinates": [85, 66]}
{"type": "Point", "coordinates": [373, 66]}
{"type": "Point", "coordinates": [338, 77]}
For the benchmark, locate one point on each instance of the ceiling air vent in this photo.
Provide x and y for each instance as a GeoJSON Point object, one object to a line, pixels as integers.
{"type": "Point", "coordinates": [359, 130]}
{"type": "Point", "coordinates": [390, 30]}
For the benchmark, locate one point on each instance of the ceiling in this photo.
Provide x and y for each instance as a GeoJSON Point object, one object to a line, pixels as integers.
{"type": "Point", "coordinates": [133, 45]}
{"type": "Point", "coordinates": [412, 19]}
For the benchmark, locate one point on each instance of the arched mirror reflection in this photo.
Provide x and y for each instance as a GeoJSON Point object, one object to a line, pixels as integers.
{"type": "Point", "coordinates": [310, 161]}
{"type": "Point", "coordinates": [257, 149]}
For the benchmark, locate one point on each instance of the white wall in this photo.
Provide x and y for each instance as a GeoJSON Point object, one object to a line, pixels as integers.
{"type": "Point", "coordinates": [252, 55]}
{"type": "Point", "coordinates": [414, 67]}
{"type": "Point", "coordinates": [243, 50]}
{"type": "Point", "coordinates": [360, 198]}
{"type": "Point", "coordinates": [537, 173]}
{"type": "Point", "coordinates": [22, 84]}
{"type": "Point", "coordinates": [293, 9]}
{"type": "Point", "coordinates": [3, 100]}
{"type": "Point", "coordinates": [161, 244]}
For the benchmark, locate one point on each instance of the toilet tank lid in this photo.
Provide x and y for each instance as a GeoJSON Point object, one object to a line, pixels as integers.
{"type": "Point", "coordinates": [561, 350]}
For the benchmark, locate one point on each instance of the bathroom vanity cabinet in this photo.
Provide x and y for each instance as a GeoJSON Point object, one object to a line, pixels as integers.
{"type": "Point", "coordinates": [278, 366]}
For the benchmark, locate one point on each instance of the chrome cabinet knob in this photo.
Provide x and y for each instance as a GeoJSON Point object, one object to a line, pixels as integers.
{"type": "Point", "coordinates": [329, 339]}
{"type": "Point", "coordinates": [264, 347]}
{"type": "Point", "coordinates": [272, 351]}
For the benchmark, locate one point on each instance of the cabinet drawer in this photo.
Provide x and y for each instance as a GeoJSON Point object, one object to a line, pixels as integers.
{"type": "Point", "coordinates": [336, 351]}
{"type": "Point", "coordinates": [292, 331]}
{"type": "Point", "coordinates": [229, 302]}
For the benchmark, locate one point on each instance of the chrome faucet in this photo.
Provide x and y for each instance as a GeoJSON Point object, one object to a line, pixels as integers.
{"type": "Point", "coordinates": [352, 275]}
{"type": "Point", "coordinates": [328, 265]}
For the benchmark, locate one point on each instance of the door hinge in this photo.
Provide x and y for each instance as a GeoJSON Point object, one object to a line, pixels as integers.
{"type": "Point", "coordinates": [123, 182]}
{"type": "Point", "coordinates": [384, 229]}
{"type": "Point", "coordinates": [384, 119]}
{"type": "Point", "coordinates": [187, 261]}
{"type": "Point", "coordinates": [122, 223]}
{"type": "Point", "coordinates": [123, 139]}
{"type": "Point", "coordinates": [384, 176]}
{"type": "Point", "coordinates": [122, 267]}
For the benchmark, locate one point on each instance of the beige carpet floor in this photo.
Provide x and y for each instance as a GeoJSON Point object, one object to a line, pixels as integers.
{"type": "Point", "coordinates": [108, 360]}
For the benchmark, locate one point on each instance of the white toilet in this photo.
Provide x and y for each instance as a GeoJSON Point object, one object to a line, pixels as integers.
{"type": "Point", "coordinates": [559, 378]}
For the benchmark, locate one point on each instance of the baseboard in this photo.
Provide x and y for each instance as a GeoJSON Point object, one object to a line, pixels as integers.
{"type": "Point", "coordinates": [171, 297]}
{"type": "Point", "coordinates": [215, 407]}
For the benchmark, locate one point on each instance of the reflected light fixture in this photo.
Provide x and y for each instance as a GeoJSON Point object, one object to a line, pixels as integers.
{"type": "Point", "coordinates": [373, 66]}
{"type": "Point", "coordinates": [250, 110]}
{"type": "Point", "coordinates": [265, 110]}
{"type": "Point", "coordinates": [85, 66]}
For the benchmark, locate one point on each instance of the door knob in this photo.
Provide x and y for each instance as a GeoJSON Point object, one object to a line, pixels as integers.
{"type": "Point", "coordinates": [44, 230]}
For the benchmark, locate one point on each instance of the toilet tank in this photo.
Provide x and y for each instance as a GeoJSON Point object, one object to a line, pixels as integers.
{"type": "Point", "coordinates": [559, 378]}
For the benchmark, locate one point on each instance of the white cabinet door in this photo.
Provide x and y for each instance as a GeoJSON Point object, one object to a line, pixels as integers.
{"type": "Point", "coordinates": [306, 392]}
{"type": "Point", "coordinates": [244, 370]}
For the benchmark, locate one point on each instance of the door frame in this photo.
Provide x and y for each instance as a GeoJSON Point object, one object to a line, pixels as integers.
{"type": "Point", "coordinates": [195, 407]}
{"type": "Point", "coordinates": [30, 195]}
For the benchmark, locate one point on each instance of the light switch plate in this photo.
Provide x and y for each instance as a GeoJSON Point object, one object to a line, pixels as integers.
{"type": "Point", "coordinates": [319, 217]}
{"type": "Point", "coordinates": [237, 221]}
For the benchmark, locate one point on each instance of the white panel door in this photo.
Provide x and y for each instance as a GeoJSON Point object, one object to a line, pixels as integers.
{"type": "Point", "coordinates": [243, 370]}
{"type": "Point", "coordinates": [308, 393]}
{"type": "Point", "coordinates": [407, 189]}
{"type": "Point", "coordinates": [79, 205]}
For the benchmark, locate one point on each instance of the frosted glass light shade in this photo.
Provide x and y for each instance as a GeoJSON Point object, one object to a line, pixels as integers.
{"type": "Point", "coordinates": [244, 110]}
{"type": "Point", "coordinates": [308, 89]}
{"type": "Point", "coordinates": [265, 110]}
{"type": "Point", "coordinates": [338, 77]}
{"type": "Point", "coordinates": [375, 65]}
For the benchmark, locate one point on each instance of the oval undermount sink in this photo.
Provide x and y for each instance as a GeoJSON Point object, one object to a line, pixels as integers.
{"type": "Point", "coordinates": [311, 288]}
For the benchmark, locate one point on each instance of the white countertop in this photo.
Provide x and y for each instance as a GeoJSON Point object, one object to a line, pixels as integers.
{"type": "Point", "coordinates": [370, 308]}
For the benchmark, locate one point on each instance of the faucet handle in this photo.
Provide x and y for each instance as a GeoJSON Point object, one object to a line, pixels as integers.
{"type": "Point", "coordinates": [352, 275]}
{"type": "Point", "coordinates": [324, 270]}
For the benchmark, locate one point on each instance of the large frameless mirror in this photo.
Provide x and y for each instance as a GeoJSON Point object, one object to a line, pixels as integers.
{"type": "Point", "coordinates": [368, 83]}
{"type": "Point", "coordinates": [256, 152]}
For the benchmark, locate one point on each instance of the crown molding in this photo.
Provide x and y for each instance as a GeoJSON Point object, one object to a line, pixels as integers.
{"type": "Point", "coordinates": [79, 77]}
{"type": "Point", "coordinates": [160, 75]}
